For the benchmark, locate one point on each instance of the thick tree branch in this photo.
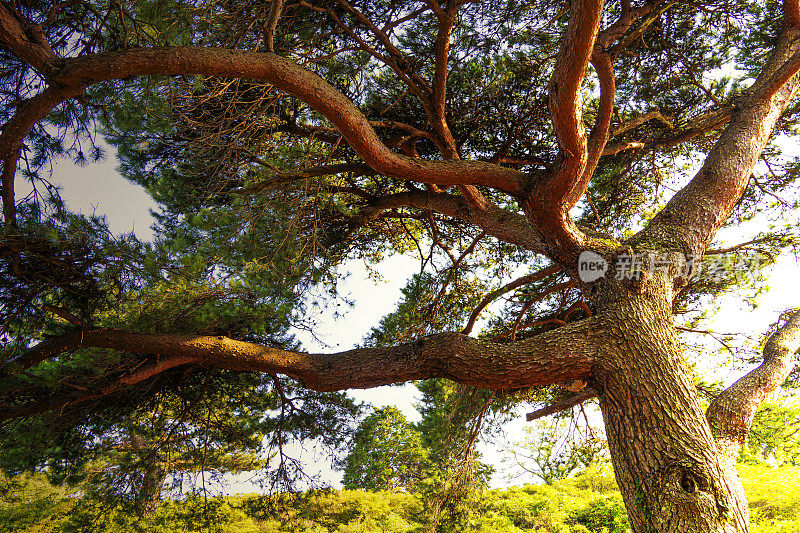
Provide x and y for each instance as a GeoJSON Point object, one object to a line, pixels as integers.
{"type": "Point", "coordinates": [791, 14]}
{"type": "Point", "coordinates": [567, 353]}
{"type": "Point", "coordinates": [78, 73]}
{"type": "Point", "coordinates": [692, 217]}
{"type": "Point", "coordinates": [731, 413]}
{"type": "Point", "coordinates": [275, 9]}
{"type": "Point", "coordinates": [28, 113]}
{"type": "Point", "coordinates": [504, 225]}
{"type": "Point", "coordinates": [25, 40]}
{"type": "Point", "coordinates": [565, 100]}
{"type": "Point", "coordinates": [778, 79]}
{"type": "Point", "coordinates": [586, 394]}
{"type": "Point", "coordinates": [600, 132]}
{"type": "Point", "coordinates": [441, 52]}
{"type": "Point", "coordinates": [548, 200]}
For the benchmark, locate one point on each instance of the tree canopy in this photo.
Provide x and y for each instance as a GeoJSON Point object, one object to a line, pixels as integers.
{"type": "Point", "coordinates": [567, 165]}
{"type": "Point", "coordinates": [387, 453]}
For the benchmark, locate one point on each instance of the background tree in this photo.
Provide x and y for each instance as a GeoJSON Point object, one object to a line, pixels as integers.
{"type": "Point", "coordinates": [493, 141]}
{"type": "Point", "coordinates": [557, 447]}
{"type": "Point", "coordinates": [387, 453]}
{"type": "Point", "coordinates": [201, 420]}
{"type": "Point", "coordinates": [161, 446]}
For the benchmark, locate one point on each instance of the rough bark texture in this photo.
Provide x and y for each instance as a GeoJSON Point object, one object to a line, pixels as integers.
{"type": "Point", "coordinates": [664, 456]}
{"type": "Point", "coordinates": [149, 495]}
{"type": "Point", "coordinates": [560, 356]}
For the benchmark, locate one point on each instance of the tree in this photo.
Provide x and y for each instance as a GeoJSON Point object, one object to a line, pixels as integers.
{"type": "Point", "coordinates": [456, 130]}
{"type": "Point", "coordinates": [387, 453]}
{"type": "Point", "coordinates": [556, 448]}
{"type": "Point", "coordinates": [219, 432]}
{"type": "Point", "coordinates": [194, 420]}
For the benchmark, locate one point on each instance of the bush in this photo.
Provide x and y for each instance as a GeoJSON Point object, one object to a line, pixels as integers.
{"type": "Point", "coordinates": [605, 514]}
{"type": "Point", "coordinates": [774, 497]}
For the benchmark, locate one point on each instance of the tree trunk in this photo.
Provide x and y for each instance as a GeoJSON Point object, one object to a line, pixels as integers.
{"type": "Point", "coordinates": [666, 462]}
{"type": "Point", "coordinates": [149, 494]}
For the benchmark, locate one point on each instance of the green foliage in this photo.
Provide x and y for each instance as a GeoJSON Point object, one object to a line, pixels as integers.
{"type": "Point", "coordinates": [345, 511]}
{"type": "Point", "coordinates": [451, 422]}
{"type": "Point", "coordinates": [775, 434]}
{"type": "Point", "coordinates": [774, 497]}
{"type": "Point", "coordinates": [387, 454]}
{"type": "Point", "coordinates": [557, 447]}
{"type": "Point", "coordinates": [245, 229]}
{"type": "Point", "coordinates": [606, 515]}
{"type": "Point", "coordinates": [194, 280]}
{"type": "Point", "coordinates": [29, 503]}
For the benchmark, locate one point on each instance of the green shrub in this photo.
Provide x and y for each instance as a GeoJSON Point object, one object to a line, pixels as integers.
{"type": "Point", "coordinates": [597, 479]}
{"type": "Point", "coordinates": [605, 514]}
{"type": "Point", "coordinates": [774, 497]}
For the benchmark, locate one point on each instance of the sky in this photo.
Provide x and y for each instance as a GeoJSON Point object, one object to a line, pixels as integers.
{"type": "Point", "coordinates": [98, 188]}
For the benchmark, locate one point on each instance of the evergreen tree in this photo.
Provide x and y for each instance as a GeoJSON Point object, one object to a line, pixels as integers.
{"type": "Point", "coordinates": [595, 150]}
{"type": "Point", "coordinates": [387, 453]}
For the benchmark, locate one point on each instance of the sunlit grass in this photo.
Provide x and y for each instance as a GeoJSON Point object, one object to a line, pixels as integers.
{"type": "Point", "coordinates": [774, 497]}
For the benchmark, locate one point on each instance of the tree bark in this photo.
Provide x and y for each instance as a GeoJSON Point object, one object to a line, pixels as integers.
{"type": "Point", "coordinates": [149, 494]}
{"type": "Point", "coordinates": [731, 413]}
{"type": "Point", "coordinates": [665, 458]}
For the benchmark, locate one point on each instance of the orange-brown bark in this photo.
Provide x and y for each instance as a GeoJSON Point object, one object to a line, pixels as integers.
{"type": "Point", "coordinates": [73, 75]}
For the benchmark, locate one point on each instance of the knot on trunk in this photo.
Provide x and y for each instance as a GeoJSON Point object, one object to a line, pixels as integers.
{"type": "Point", "coordinates": [689, 498]}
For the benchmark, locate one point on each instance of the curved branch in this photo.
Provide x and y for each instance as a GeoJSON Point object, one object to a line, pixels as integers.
{"type": "Point", "coordinates": [548, 200]}
{"type": "Point", "coordinates": [567, 353]}
{"type": "Point", "coordinates": [75, 74]}
{"type": "Point", "coordinates": [31, 111]}
{"type": "Point", "coordinates": [731, 413]}
{"type": "Point", "coordinates": [504, 225]}
{"type": "Point", "coordinates": [28, 113]}
{"type": "Point", "coordinates": [275, 9]}
{"type": "Point", "coordinates": [565, 98]}
{"type": "Point", "coordinates": [439, 97]}
{"type": "Point", "coordinates": [25, 40]}
{"type": "Point", "coordinates": [600, 132]}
